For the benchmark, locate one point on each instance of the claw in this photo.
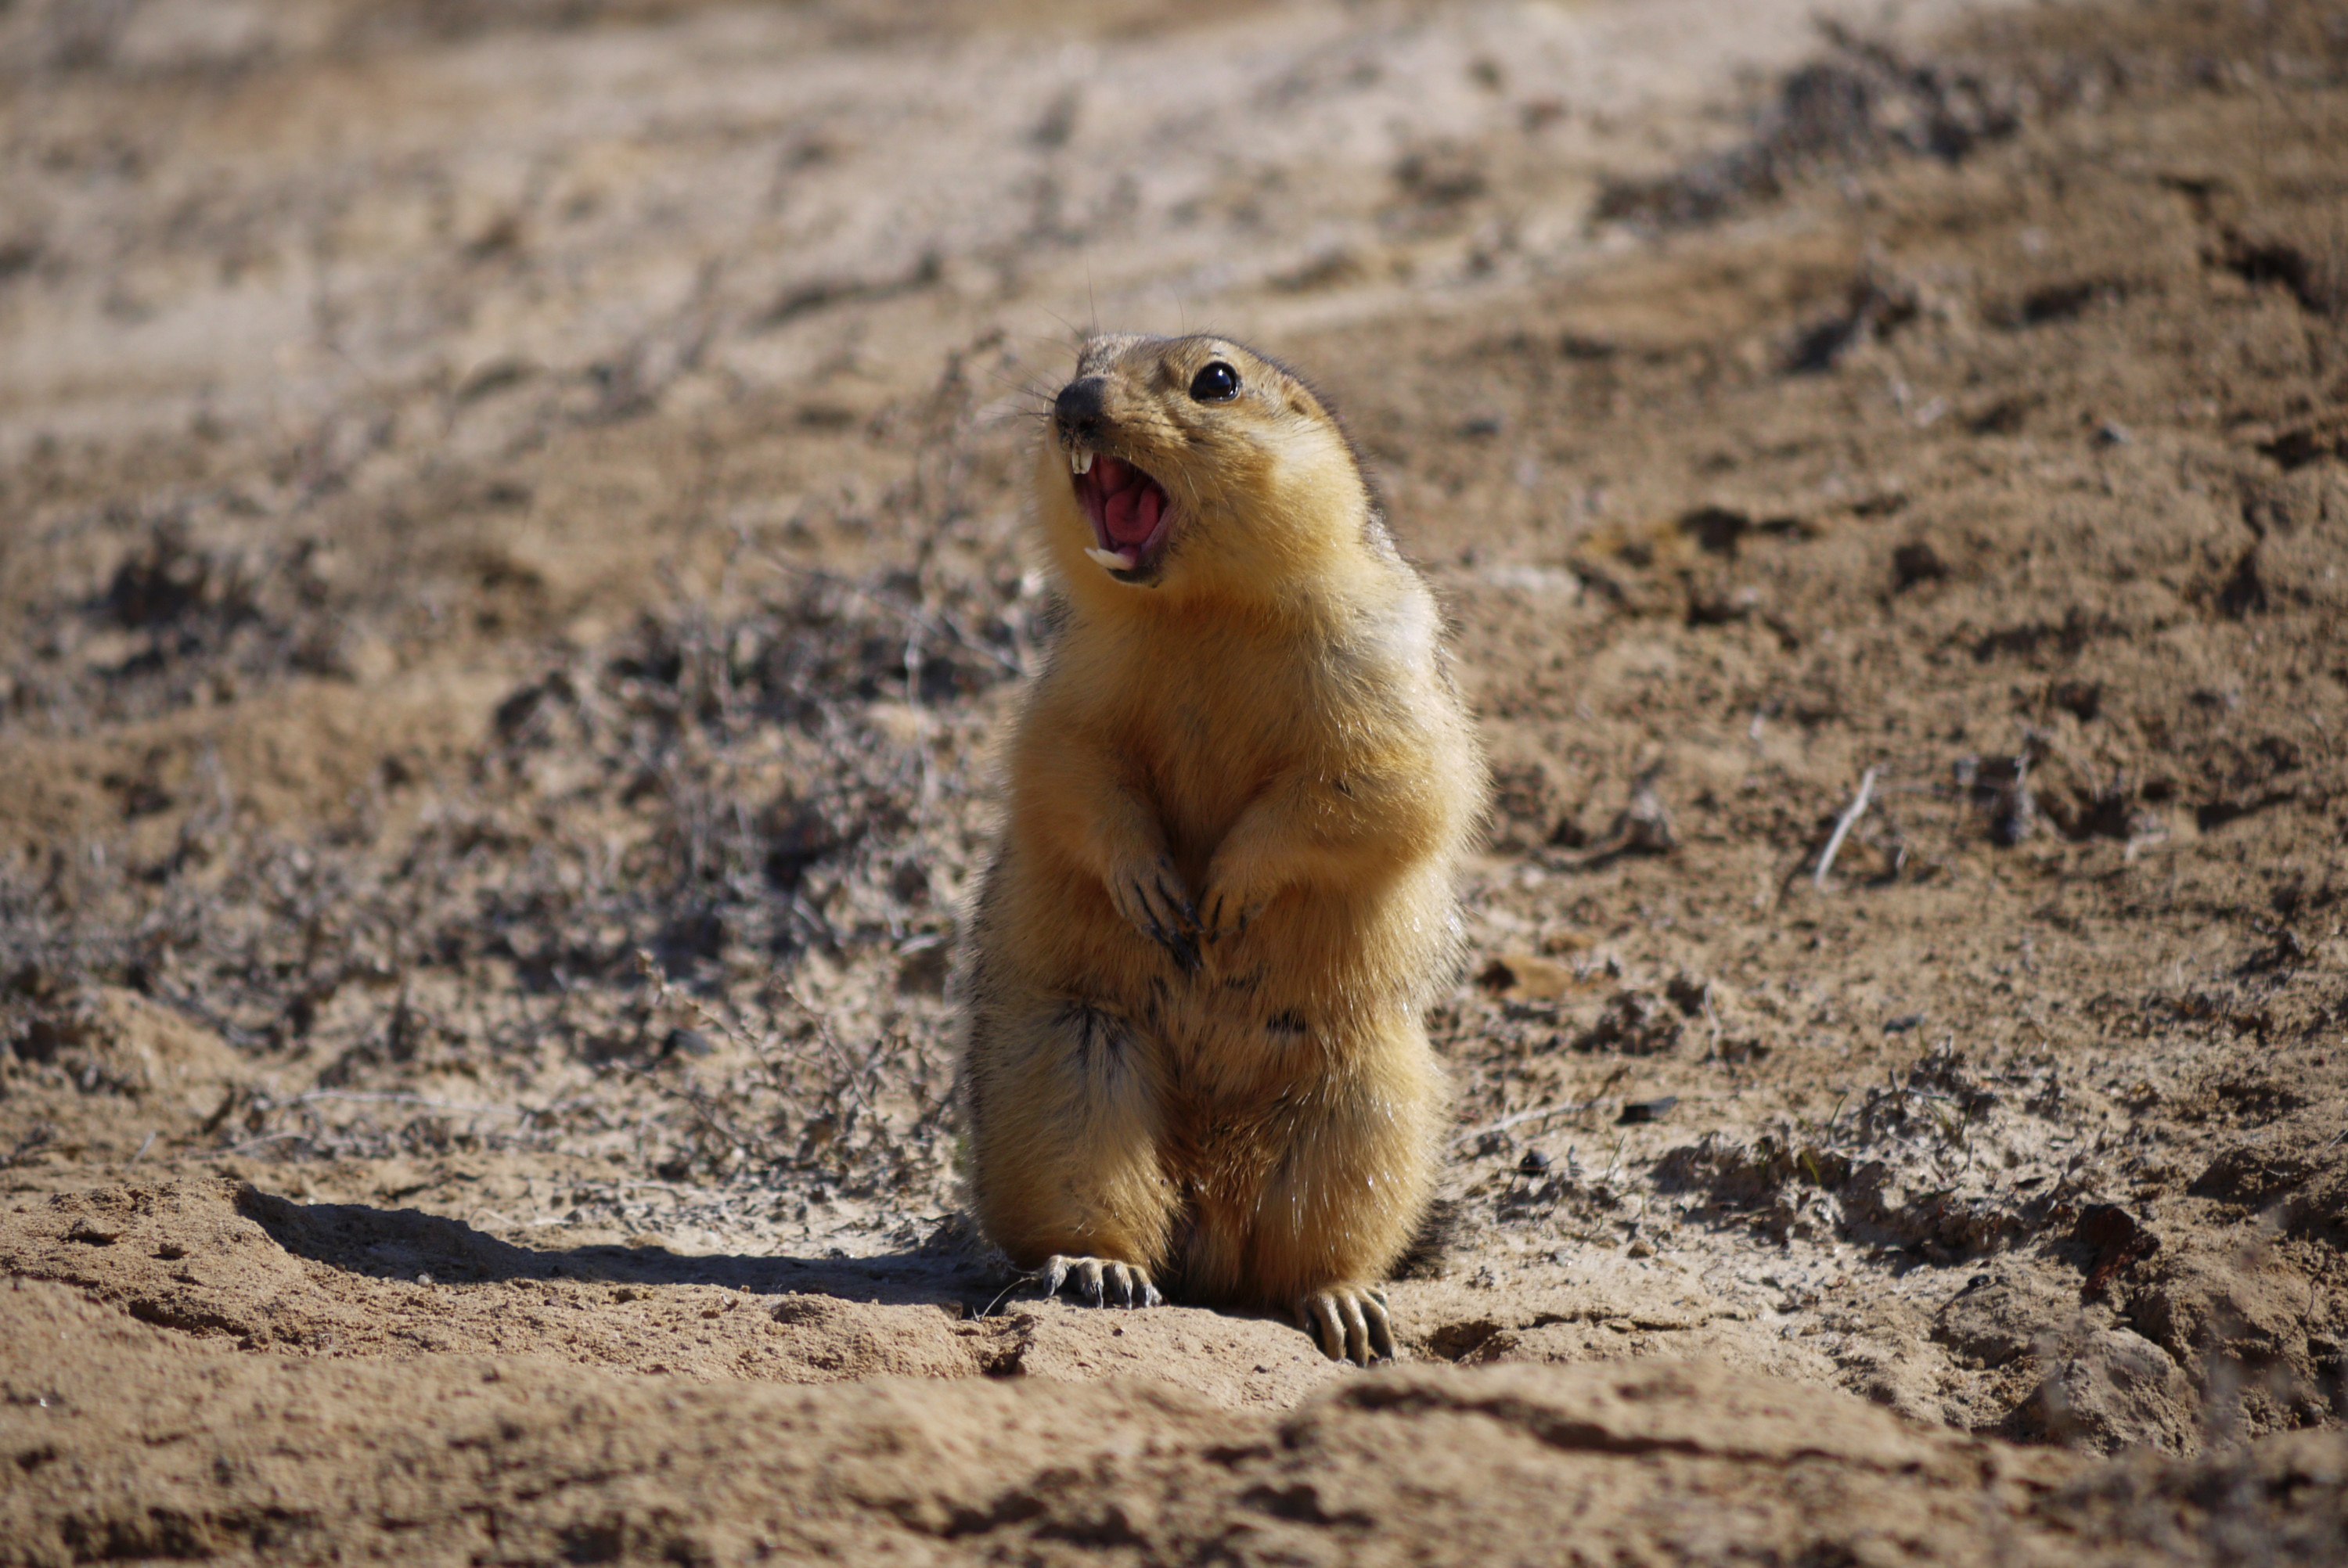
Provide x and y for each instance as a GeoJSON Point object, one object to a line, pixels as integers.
{"type": "Point", "coordinates": [1320, 1316]}
{"type": "Point", "coordinates": [1357, 1331]}
{"type": "Point", "coordinates": [1382, 1339]}
{"type": "Point", "coordinates": [1227, 916]}
{"type": "Point", "coordinates": [1172, 922]}
{"type": "Point", "coordinates": [1186, 936]}
{"type": "Point", "coordinates": [1177, 901]}
{"type": "Point", "coordinates": [1154, 903]}
{"type": "Point", "coordinates": [1100, 1281]}
{"type": "Point", "coordinates": [1176, 947]}
{"type": "Point", "coordinates": [1349, 1324]}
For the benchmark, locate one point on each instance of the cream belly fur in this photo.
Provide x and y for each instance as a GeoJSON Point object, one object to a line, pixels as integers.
{"type": "Point", "coordinates": [1239, 793]}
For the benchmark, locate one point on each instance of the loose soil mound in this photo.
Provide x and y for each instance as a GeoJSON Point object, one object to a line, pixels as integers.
{"type": "Point", "coordinates": [231, 1456]}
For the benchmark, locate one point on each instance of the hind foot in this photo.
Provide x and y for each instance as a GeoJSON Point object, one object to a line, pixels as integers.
{"type": "Point", "coordinates": [1350, 1323]}
{"type": "Point", "coordinates": [1100, 1281]}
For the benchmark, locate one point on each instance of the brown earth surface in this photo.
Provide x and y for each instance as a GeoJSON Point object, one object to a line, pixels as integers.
{"type": "Point", "coordinates": [510, 569]}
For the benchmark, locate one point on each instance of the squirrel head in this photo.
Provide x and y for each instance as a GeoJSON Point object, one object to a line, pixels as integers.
{"type": "Point", "coordinates": [1196, 467]}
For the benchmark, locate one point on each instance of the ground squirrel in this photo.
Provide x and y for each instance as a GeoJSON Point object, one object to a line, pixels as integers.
{"type": "Point", "coordinates": [1240, 794]}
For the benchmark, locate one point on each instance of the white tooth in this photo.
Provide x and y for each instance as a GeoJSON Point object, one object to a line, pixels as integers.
{"type": "Point", "coordinates": [1112, 560]}
{"type": "Point", "coordinates": [1080, 461]}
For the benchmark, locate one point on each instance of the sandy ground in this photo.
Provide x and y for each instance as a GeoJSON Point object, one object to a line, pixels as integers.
{"type": "Point", "coordinates": [510, 571]}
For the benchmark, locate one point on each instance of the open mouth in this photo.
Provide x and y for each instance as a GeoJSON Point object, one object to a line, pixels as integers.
{"type": "Point", "coordinates": [1129, 510]}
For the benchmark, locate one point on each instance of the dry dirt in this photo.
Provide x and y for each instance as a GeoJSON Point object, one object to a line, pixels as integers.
{"type": "Point", "coordinates": [510, 568]}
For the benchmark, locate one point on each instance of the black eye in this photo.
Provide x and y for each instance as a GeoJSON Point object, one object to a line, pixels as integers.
{"type": "Point", "coordinates": [1218, 383]}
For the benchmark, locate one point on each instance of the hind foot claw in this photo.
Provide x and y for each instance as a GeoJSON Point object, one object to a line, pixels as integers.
{"type": "Point", "coordinates": [1100, 1281]}
{"type": "Point", "coordinates": [1349, 1322]}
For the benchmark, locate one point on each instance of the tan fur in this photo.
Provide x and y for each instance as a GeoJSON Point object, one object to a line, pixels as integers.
{"type": "Point", "coordinates": [1270, 730]}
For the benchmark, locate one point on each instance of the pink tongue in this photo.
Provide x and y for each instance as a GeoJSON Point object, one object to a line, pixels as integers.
{"type": "Point", "coordinates": [1130, 514]}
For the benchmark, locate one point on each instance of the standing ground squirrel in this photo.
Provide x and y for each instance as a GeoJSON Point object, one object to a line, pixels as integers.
{"type": "Point", "coordinates": [1240, 794]}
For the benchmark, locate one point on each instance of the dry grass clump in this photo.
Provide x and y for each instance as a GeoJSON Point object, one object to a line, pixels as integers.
{"type": "Point", "coordinates": [691, 901]}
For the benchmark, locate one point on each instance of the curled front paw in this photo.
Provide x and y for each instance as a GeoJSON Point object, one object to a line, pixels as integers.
{"type": "Point", "coordinates": [1349, 1322]}
{"type": "Point", "coordinates": [1100, 1281]}
{"type": "Point", "coordinates": [1226, 913]}
{"type": "Point", "coordinates": [1151, 899]}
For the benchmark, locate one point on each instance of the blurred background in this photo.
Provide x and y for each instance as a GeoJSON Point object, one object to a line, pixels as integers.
{"type": "Point", "coordinates": [244, 210]}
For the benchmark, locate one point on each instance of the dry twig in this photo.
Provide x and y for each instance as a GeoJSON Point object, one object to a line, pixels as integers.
{"type": "Point", "coordinates": [1843, 825]}
{"type": "Point", "coordinates": [1542, 1113]}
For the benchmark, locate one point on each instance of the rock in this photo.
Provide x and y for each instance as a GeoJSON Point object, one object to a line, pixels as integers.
{"type": "Point", "coordinates": [2259, 1334]}
{"type": "Point", "coordinates": [2289, 1167]}
{"type": "Point", "coordinates": [2000, 1315]}
{"type": "Point", "coordinates": [2252, 1310]}
{"type": "Point", "coordinates": [1524, 977]}
{"type": "Point", "coordinates": [159, 1055]}
{"type": "Point", "coordinates": [2120, 1240]}
{"type": "Point", "coordinates": [2320, 1209]}
{"type": "Point", "coordinates": [2108, 1389]}
{"type": "Point", "coordinates": [2256, 1172]}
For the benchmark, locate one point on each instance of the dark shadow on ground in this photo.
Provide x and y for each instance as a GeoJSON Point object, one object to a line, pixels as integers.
{"type": "Point", "coordinates": [400, 1243]}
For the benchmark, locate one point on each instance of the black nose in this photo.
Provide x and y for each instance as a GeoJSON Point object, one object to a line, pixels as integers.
{"type": "Point", "coordinates": [1080, 406]}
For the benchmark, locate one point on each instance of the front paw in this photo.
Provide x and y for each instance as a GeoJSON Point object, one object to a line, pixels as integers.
{"type": "Point", "coordinates": [1226, 913]}
{"type": "Point", "coordinates": [1100, 1281]}
{"type": "Point", "coordinates": [1150, 898]}
{"type": "Point", "coordinates": [1349, 1322]}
